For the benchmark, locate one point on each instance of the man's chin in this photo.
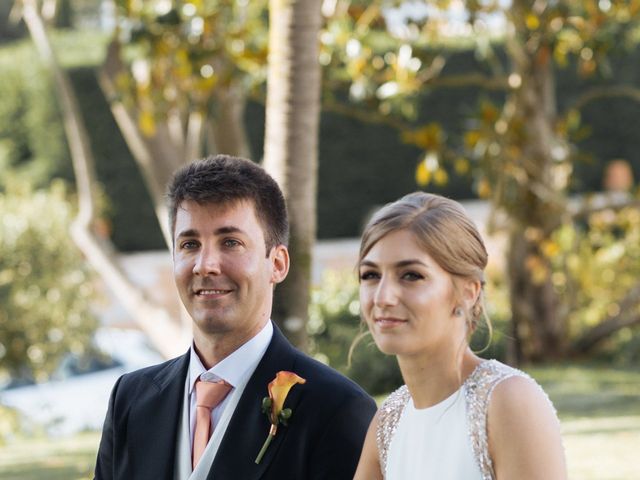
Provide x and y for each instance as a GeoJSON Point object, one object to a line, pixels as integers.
{"type": "Point", "coordinates": [210, 325]}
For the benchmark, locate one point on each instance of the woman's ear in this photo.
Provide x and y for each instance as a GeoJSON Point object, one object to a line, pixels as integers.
{"type": "Point", "coordinates": [280, 261]}
{"type": "Point", "coordinates": [470, 293]}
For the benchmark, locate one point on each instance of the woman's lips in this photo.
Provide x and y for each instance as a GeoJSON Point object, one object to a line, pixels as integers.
{"type": "Point", "coordinates": [389, 322]}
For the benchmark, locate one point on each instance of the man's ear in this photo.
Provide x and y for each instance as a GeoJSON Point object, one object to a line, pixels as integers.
{"type": "Point", "coordinates": [280, 260]}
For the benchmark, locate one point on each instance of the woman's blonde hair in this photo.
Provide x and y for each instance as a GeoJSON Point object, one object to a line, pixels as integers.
{"type": "Point", "coordinates": [444, 230]}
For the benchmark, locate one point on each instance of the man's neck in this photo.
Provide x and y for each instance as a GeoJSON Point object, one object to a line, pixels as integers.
{"type": "Point", "coordinates": [213, 348]}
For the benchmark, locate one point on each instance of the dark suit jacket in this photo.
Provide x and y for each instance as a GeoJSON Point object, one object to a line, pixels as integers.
{"type": "Point", "coordinates": [323, 439]}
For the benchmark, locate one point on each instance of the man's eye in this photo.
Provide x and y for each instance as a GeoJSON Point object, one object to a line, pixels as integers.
{"type": "Point", "coordinates": [189, 245]}
{"type": "Point", "coordinates": [230, 242]}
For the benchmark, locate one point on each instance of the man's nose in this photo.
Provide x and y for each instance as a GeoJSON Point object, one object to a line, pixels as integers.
{"type": "Point", "coordinates": [207, 262]}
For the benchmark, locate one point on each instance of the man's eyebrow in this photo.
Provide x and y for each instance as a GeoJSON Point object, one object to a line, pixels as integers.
{"type": "Point", "coordinates": [228, 229]}
{"type": "Point", "coordinates": [192, 232]}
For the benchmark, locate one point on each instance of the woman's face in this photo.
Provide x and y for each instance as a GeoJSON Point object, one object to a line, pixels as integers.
{"type": "Point", "coordinates": [407, 299]}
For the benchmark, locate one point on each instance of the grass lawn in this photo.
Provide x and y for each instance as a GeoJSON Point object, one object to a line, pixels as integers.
{"type": "Point", "coordinates": [599, 408]}
{"type": "Point", "coordinates": [70, 458]}
{"type": "Point", "coordinates": [600, 412]}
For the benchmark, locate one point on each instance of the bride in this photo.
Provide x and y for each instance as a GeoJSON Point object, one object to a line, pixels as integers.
{"type": "Point", "coordinates": [458, 417]}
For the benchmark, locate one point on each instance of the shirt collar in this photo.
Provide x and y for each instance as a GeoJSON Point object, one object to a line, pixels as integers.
{"type": "Point", "coordinates": [237, 366]}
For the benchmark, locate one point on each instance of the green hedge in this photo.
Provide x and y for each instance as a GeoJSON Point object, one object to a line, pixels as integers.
{"type": "Point", "coordinates": [8, 29]}
{"type": "Point", "coordinates": [133, 222]}
{"type": "Point", "coordinates": [32, 142]}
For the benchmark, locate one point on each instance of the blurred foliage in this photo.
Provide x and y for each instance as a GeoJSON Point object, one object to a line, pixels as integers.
{"type": "Point", "coordinates": [178, 53]}
{"type": "Point", "coordinates": [401, 76]}
{"type": "Point", "coordinates": [45, 288]}
{"type": "Point", "coordinates": [595, 266]}
{"type": "Point", "coordinates": [131, 229]}
{"type": "Point", "coordinates": [352, 152]}
{"type": "Point", "coordinates": [9, 423]}
{"type": "Point", "coordinates": [390, 67]}
{"type": "Point", "coordinates": [33, 144]}
{"type": "Point", "coordinates": [517, 145]}
{"type": "Point", "coordinates": [32, 141]}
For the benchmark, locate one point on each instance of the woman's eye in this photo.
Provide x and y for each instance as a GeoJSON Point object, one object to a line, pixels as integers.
{"type": "Point", "coordinates": [368, 275]}
{"type": "Point", "coordinates": [412, 276]}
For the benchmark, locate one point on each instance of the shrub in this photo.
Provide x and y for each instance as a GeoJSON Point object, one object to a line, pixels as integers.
{"type": "Point", "coordinates": [9, 423]}
{"type": "Point", "coordinates": [45, 288]}
{"type": "Point", "coordinates": [595, 270]}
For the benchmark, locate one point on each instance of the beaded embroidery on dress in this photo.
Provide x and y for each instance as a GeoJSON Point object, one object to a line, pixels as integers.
{"type": "Point", "coordinates": [388, 418]}
{"type": "Point", "coordinates": [477, 390]}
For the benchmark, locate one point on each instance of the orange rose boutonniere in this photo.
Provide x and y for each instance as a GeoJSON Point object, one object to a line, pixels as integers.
{"type": "Point", "coordinates": [272, 405]}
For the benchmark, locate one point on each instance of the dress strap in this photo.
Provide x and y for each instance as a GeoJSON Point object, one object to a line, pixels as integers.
{"type": "Point", "coordinates": [388, 417]}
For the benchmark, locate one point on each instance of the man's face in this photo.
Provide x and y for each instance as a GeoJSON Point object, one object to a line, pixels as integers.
{"type": "Point", "coordinates": [223, 276]}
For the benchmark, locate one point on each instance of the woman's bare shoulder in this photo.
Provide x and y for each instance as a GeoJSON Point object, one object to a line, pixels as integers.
{"type": "Point", "coordinates": [524, 431]}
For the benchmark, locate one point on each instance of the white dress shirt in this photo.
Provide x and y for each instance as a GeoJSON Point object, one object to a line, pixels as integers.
{"type": "Point", "coordinates": [236, 369]}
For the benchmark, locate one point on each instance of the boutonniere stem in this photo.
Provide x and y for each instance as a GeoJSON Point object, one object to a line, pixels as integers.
{"type": "Point", "coordinates": [273, 405]}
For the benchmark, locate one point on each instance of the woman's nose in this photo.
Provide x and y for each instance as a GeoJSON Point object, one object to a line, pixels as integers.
{"type": "Point", "coordinates": [385, 294]}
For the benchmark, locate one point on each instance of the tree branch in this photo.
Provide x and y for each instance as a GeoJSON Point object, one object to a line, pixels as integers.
{"type": "Point", "coordinates": [628, 316]}
{"type": "Point", "coordinates": [371, 117]}
{"type": "Point", "coordinates": [597, 93]}
{"type": "Point", "coordinates": [196, 122]}
{"type": "Point", "coordinates": [469, 80]}
{"type": "Point", "coordinates": [156, 157]}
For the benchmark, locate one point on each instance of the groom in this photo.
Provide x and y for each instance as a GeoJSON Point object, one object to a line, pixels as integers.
{"type": "Point", "coordinates": [230, 232]}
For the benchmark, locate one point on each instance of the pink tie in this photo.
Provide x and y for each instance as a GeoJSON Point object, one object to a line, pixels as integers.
{"type": "Point", "coordinates": [208, 396]}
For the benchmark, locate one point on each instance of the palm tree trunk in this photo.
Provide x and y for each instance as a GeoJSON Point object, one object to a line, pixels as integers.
{"type": "Point", "coordinates": [291, 145]}
{"type": "Point", "coordinates": [228, 131]}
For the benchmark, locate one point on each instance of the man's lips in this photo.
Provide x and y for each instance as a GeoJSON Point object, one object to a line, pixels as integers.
{"type": "Point", "coordinates": [210, 292]}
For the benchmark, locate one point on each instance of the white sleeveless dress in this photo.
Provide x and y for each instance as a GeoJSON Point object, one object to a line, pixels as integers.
{"type": "Point", "coordinates": [445, 441]}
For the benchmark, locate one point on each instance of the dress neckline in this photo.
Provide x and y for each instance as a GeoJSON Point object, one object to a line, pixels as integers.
{"type": "Point", "coordinates": [450, 400]}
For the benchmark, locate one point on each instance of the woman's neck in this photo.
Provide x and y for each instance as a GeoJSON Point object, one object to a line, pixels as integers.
{"type": "Point", "coordinates": [432, 379]}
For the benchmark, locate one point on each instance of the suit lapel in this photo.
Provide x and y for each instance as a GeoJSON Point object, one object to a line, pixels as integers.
{"type": "Point", "coordinates": [249, 427]}
{"type": "Point", "coordinates": [154, 420]}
